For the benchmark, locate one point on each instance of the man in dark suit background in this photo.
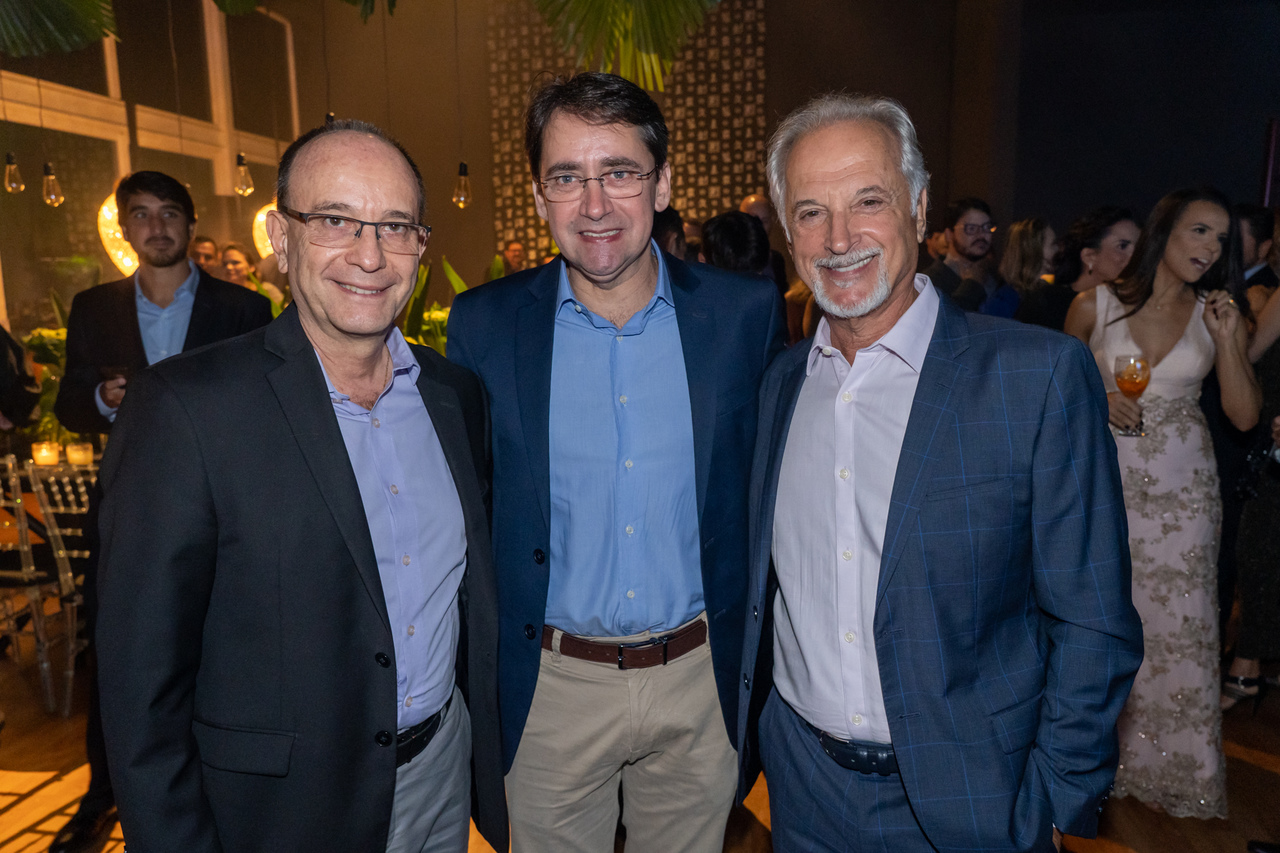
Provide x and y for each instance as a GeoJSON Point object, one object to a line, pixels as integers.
{"type": "Point", "coordinates": [940, 634]}
{"type": "Point", "coordinates": [168, 306]}
{"type": "Point", "coordinates": [298, 633]}
{"type": "Point", "coordinates": [622, 385]}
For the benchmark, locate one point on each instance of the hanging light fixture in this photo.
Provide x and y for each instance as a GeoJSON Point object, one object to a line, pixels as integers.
{"type": "Point", "coordinates": [52, 190]}
{"type": "Point", "coordinates": [244, 181]}
{"type": "Point", "coordinates": [118, 248]}
{"type": "Point", "coordinates": [13, 182]}
{"type": "Point", "coordinates": [462, 188]}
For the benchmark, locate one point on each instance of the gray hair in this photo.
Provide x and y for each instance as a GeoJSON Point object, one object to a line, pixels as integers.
{"type": "Point", "coordinates": [830, 109]}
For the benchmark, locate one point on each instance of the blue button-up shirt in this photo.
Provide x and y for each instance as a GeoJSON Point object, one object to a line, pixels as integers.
{"type": "Point", "coordinates": [624, 510]}
{"type": "Point", "coordinates": [415, 520]}
{"type": "Point", "coordinates": [164, 330]}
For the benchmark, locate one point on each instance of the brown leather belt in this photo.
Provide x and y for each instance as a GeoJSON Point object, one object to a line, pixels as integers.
{"type": "Point", "coordinates": [652, 652]}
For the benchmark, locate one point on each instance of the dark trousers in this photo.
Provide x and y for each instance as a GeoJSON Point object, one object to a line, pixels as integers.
{"type": "Point", "coordinates": [817, 805]}
{"type": "Point", "coordinates": [100, 796]}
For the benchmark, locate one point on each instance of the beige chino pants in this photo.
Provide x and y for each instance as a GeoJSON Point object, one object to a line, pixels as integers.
{"type": "Point", "coordinates": [658, 732]}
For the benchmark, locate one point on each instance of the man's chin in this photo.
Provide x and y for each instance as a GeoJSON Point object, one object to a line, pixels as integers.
{"type": "Point", "coordinates": [162, 260]}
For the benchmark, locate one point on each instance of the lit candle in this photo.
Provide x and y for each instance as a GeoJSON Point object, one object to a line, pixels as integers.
{"type": "Point", "coordinates": [80, 454]}
{"type": "Point", "coordinates": [46, 452]}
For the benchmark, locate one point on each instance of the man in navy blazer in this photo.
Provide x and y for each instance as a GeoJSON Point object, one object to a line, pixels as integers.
{"type": "Point", "coordinates": [940, 635]}
{"type": "Point", "coordinates": [622, 388]}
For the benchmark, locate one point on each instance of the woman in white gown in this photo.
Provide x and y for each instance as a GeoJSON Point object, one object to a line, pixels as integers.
{"type": "Point", "coordinates": [1173, 305]}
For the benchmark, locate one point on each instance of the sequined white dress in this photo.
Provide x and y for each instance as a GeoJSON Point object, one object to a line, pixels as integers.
{"type": "Point", "coordinates": [1171, 728]}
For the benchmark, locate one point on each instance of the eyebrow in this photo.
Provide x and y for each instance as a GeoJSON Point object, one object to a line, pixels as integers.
{"type": "Point", "coordinates": [343, 207]}
{"type": "Point", "coordinates": [874, 188]}
{"type": "Point", "coordinates": [606, 164]}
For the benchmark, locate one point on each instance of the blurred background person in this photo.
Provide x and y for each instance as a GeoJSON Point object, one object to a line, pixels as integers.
{"type": "Point", "coordinates": [204, 251]}
{"type": "Point", "coordinates": [968, 229]}
{"type": "Point", "coordinates": [737, 242]}
{"type": "Point", "coordinates": [668, 231]}
{"type": "Point", "coordinates": [239, 269]}
{"type": "Point", "coordinates": [1095, 249]}
{"type": "Point", "coordinates": [760, 207]}
{"type": "Point", "coordinates": [1028, 255]}
{"type": "Point", "coordinates": [1257, 232]}
{"type": "Point", "coordinates": [1178, 305]}
{"type": "Point", "coordinates": [933, 248]}
{"type": "Point", "coordinates": [692, 240]}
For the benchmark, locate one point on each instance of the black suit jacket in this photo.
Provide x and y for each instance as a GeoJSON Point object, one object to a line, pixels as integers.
{"type": "Point", "coordinates": [243, 635]}
{"type": "Point", "coordinates": [102, 332]}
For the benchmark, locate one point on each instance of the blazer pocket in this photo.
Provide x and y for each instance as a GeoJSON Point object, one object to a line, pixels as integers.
{"type": "Point", "coordinates": [1016, 726]}
{"type": "Point", "coordinates": [971, 488]}
{"type": "Point", "coordinates": [259, 751]}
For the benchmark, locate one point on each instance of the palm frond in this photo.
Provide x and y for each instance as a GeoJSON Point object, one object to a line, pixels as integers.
{"type": "Point", "coordinates": [36, 27]}
{"type": "Point", "coordinates": [636, 39]}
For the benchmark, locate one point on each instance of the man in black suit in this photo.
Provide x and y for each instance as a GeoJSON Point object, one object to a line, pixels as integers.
{"type": "Point", "coordinates": [968, 229]}
{"type": "Point", "coordinates": [299, 621]}
{"type": "Point", "coordinates": [1257, 230]}
{"type": "Point", "coordinates": [168, 306]}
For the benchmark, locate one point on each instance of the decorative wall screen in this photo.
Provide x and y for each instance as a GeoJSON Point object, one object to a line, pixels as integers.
{"type": "Point", "coordinates": [714, 106]}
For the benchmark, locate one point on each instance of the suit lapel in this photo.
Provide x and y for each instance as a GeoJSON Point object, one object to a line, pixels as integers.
{"type": "Point", "coordinates": [933, 397]}
{"type": "Point", "coordinates": [697, 325]}
{"type": "Point", "coordinates": [446, 417]}
{"type": "Point", "coordinates": [535, 330]}
{"type": "Point", "coordinates": [202, 329]}
{"type": "Point", "coordinates": [124, 308]}
{"type": "Point", "coordinates": [779, 426]}
{"type": "Point", "coordinates": [299, 385]}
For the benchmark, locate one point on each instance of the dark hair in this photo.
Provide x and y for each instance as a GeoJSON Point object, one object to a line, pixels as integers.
{"type": "Point", "coordinates": [1087, 232]}
{"type": "Point", "coordinates": [237, 247]}
{"type": "Point", "coordinates": [291, 153]}
{"type": "Point", "coordinates": [1134, 286]}
{"type": "Point", "coordinates": [1024, 254]}
{"type": "Point", "coordinates": [596, 98]}
{"type": "Point", "coordinates": [202, 238]}
{"type": "Point", "coordinates": [1261, 220]}
{"type": "Point", "coordinates": [159, 185]}
{"type": "Point", "coordinates": [960, 207]}
{"type": "Point", "coordinates": [666, 223]}
{"type": "Point", "coordinates": [735, 241]}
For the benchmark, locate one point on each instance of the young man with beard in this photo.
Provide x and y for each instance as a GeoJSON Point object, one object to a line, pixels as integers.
{"type": "Point", "coordinates": [940, 635]}
{"type": "Point", "coordinates": [168, 306]}
{"type": "Point", "coordinates": [968, 229]}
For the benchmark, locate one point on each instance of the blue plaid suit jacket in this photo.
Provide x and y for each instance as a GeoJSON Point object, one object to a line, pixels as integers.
{"type": "Point", "coordinates": [1006, 637]}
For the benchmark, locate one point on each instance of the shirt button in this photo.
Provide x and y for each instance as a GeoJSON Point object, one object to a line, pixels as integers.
{"type": "Point", "coordinates": [857, 719]}
{"type": "Point", "coordinates": [848, 555]}
{"type": "Point", "coordinates": [408, 701]}
{"type": "Point", "coordinates": [630, 530]}
{"type": "Point", "coordinates": [395, 490]}
{"type": "Point", "coordinates": [618, 337]}
{"type": "Point", "coordinates": [846, 396]}
{"type": "Point", "coordinates": [631, 593]}
{"type": "Point", "coordinates": [627, 463]}
{"type": "Point", "coordinates": [623, 399]}
{"type": "Point", "coordinates": [405, 559]}
{"type": "Point", "coordinates": [848, 637]}
{"type": "Point", "coordinates": [410, 630]}
{"type": "Point", "coordinates": [826, 350]}
{"type": "Point", "coordinates": [376, 423]}
{"type": "Point", "coordinates": [577, 307]}
{"type": "Point", "coordinates": [844, 473]}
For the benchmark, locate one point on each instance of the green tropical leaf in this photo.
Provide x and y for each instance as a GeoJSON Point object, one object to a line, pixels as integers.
{"type": "Point", "coordinates": [459, 285]}
{"type": "Point", "coordinates": [243, 7]}
{"type": "Point", "coordinates": [59, 308]}
{"type": "Point", "coordinates": [417, 303]}
{"type": "Point", "coordinates": [636, 39]}
{"type": "Point", "coordinates": [497, 269]}
{"type": "Point", "coordinates": [36, 27]}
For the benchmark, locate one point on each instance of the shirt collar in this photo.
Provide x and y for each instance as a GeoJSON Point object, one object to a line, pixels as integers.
{"type": "Point", "coordinates": [187, 288]}
{"type": "Point", "coordinates": [1251, 271]}
{"type": "Point", "coordinates": [564, 293]}
{"type": "Point", "coordinates": [908, 339]}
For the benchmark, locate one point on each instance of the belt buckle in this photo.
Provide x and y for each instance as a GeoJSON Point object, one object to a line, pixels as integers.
{"type": "Point", "coordinates": [644, 644]}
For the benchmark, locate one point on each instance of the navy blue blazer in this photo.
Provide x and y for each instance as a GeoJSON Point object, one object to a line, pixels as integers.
{"type": "Point", "coordinates": [1005, 632]}
{"type": "Point", "coordinates": [731, 327]}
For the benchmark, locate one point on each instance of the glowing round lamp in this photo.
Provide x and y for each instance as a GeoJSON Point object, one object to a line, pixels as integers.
{"type": "Point", "coordinates": [118, 249]}
{"type": "Point", "coordinates": [261, 241]}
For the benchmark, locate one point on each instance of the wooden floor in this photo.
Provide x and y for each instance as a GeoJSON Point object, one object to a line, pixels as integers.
{"type": "Point", "coordinates": [43, 774]}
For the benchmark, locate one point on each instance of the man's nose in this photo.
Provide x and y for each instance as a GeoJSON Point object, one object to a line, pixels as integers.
{"type": "Point", "coordinates": [367, 252]}
{"type": "Point", "coordinates": [595, 204]}
{"type": "Point", "coordinates": [840, 234]}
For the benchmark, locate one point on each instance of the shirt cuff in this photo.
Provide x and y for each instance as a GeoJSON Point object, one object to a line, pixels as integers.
{"type": "Point", "coordinates": [103, 409]}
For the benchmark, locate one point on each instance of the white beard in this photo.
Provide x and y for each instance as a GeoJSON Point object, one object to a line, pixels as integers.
{"type": "Point", "coordinates": [869, 303]}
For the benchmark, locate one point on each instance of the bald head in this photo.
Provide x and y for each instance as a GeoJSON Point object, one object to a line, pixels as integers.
{"type": "Point", "coordinates": [759, 207]}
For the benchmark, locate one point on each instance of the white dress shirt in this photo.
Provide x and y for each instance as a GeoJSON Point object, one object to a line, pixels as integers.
{"type": "Point", "coordinates": [829, 523]}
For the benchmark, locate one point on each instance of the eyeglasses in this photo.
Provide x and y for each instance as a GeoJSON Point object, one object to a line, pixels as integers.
{"type": "Point", "coordinates": [616, 183]}
{"type": "Point", "coordinates": [973, 228]}
{"type": "Point", "coordinates": [342, 232]}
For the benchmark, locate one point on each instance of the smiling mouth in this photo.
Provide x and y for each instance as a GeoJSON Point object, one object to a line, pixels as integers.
{"type": "Point", "coordinates": [853, 267]}
{"type": "Point", "coordinates": [596, 235]}
{"type": "Point", "coordinates": [1200, 264]}
{"type": "Point", "coordinates": [359, 291]}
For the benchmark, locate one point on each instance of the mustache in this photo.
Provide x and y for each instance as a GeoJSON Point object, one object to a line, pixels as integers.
{"type": "Point", "coordinates": [849, 258]}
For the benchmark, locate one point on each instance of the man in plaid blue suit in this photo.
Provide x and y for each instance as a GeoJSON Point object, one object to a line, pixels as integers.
{"type": "Point", "coordinates": [940, 635]}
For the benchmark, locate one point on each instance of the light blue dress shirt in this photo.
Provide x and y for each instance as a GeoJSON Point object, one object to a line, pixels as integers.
{"type": "Point", "coordinates": [415, 520]}
{"type": "Point", "coordinates": [624, 512]}
{"type": "Point", "coordinates": [164, 330]}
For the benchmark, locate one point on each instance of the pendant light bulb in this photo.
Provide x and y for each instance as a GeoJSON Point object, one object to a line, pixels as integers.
{"type": "Point", "coordinates": [462, 188]}
{"type": "Point", "coordinates": [12, 177]}
{"type": "Point", "coordinates": [244, 181]}
{"type": "Point", "coordinates": [52, 190]}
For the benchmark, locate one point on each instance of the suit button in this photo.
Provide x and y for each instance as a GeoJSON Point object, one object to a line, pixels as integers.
{"type": "Point", "coordinates": [383, 738]}
{"type": "Point", "coordinates": [755, 612]}
{"type": "Point", "coordinates": [530, 632]}
{"type": "Point", "coordinates": [746, 682]}
{"type": "Point", "coordinates": [382, 659]}
{"type": "Point", "coordinates": [538, 556]}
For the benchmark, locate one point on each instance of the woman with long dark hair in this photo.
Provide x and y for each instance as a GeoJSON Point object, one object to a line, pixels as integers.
{"type": "Point", "coordinates": [1095, 249]}
{"type": "Point", "coordinates": [1178, 305]}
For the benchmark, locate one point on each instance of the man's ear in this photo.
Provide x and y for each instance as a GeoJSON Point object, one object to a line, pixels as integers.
{"type": "Point", "coordinates": [922, 215]}
{"type": "Point", "coordinates": [539, 202]}
{"type": "Point", "coordinates": [278, 233]}
{"type": "Point", "coordinates": [1264, 250]}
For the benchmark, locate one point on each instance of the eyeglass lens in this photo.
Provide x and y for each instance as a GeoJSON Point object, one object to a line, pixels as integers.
{"type": "Point", "coordinates": [338, 232]}
{"type": "Point", "coordinates": [619, 183]}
